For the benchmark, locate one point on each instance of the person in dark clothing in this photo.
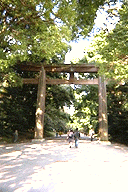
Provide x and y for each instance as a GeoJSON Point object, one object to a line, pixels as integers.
{"type": "Point", "coordinates": [76, 137]}
{"type": "Point", "coordinates": [70, 137]}
{"type": "Point", "coordinates": [15, 136]}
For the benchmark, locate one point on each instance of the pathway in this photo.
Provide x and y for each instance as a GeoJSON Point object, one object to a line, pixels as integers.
{"type": "Point", "coordinates": [51, 166]}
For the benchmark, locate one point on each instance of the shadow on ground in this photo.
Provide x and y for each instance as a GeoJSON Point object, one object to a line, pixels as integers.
{"type": "Point", "coordinates": [51, 165]}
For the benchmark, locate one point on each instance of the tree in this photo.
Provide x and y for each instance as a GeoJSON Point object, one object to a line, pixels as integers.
{"type": "Point", "coordinates": [110, 52]}
{"type": "Point", "coordinates": [87, 107]}
{"type": "Point", "coordinates": [28, 33]}
{"type": "Point", "coordinates": [17, 112]}
{"type": "Point", "coordinates": [86, 104]}
{"type": "Point", "coordinates": [18, 107]}
{"type": "Point", "coordinates": [38, 30]}
{"type": "Point", "coordinates": [110, 49]}
{"type": "Point", "coordinates": [117, 112]}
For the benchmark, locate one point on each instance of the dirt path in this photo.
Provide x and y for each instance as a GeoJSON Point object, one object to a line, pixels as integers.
{"type": "Point", "coordinates": [52, 166]}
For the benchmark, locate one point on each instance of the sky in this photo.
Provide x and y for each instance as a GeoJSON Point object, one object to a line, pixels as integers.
{"type": "Point", "coordinates": [78, 48]}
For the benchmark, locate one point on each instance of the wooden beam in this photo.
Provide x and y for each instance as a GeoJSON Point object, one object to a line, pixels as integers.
{"type": "Point", "coordinates": [78, 68]}
{"type": "Point", "coordinates": [72, 81]}
{"type": "Point", "coordinates": [55, 81]}
{"type": "Point", "coordinates": [81, 68]}
{"type": "Point", "coordinates": [30, 81]}
{"type": "Point", "coordinates": [62, 81]}
{"type": "Point", "coordinates": [71, 75]}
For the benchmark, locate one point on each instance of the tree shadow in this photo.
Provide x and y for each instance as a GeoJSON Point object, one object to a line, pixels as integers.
{"type": "Point", "coordinates": [22, 165]}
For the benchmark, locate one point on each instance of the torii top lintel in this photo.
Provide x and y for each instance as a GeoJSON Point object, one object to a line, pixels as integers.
{"type": "Point", "coordinates": [69, 68]}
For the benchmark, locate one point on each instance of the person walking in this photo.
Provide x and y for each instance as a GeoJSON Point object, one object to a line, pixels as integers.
{"type": "Point", "coordinates": [92, 134]}
{"type": "Point", "coordinates": [15, 136]}
{"type": "Point", "coordinates": [76, 137]}
{"type": "Point", "coordinates": [70, 137]}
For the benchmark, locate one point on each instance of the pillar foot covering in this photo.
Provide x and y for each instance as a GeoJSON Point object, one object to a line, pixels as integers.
{"type": "Point", "coordinates": [38, 140]}
{"type": "Point", "coordinates": [105, 142]}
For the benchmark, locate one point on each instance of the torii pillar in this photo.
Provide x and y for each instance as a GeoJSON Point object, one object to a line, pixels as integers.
{"type": "Point", "coordinates": [103, 121]}
{"type": "Point", "coordinates": [40, 110]}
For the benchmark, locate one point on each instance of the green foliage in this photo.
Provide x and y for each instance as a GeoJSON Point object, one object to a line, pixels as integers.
{"type": "Point", "coordinates": [111, 49]}
{"type": "Point", "coordinates": [118, 112]}
{"type": "Point", "coordinates": [18, 107]}
{"type": "Point", "coordinates": [58, 95]}
{"type": "Point", "coordinates": [85, 15]}
{"type": "Point", "coordinates": [86, 105]}
{"type": "Point", "coordinates": [32, 31]}
{"type": "Point", "coordinates": [110, 54]}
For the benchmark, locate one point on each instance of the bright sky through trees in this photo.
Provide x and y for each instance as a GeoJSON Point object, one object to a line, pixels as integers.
{"type": "Point", "coordinates": [101, 22]}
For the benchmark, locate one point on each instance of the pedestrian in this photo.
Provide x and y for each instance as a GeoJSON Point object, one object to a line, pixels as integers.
{"type": "Point", "coordinates": [70, 137]}
{"type": "Point", "coordinates": [60, 133]}
{"type": "Point", "coordinates": [15, 136]}
{"type": "Point", "coordinates": [56, 134]}
{"type": "Point", "coordinates": [92, 134]}
{"type": "Point", "coordinates": [76, 137]}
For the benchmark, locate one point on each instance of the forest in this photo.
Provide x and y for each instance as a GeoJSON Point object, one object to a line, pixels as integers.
{"type": "Point", "coordinates": [40, 32]}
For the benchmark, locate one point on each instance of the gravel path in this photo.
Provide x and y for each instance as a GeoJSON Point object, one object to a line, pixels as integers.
{"type": "Point", "coordinates": [51, 166]}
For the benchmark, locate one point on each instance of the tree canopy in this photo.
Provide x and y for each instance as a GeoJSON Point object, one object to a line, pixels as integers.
{"type": "Point", "coordinates": [110, 48]}
{"type": "Point", "coordinates": [34, 31]}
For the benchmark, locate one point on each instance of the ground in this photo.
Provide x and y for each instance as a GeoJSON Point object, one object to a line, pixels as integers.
{"type": "Point", "coordinates": [51, 166]}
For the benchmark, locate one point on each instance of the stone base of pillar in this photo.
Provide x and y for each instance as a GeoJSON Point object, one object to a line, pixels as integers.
{"type": "Point", "coordinates": [38, 140]}
{"type": "Point", "coordinates": [105, 142]}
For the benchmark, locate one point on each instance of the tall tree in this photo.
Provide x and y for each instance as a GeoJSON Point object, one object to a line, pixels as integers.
{"type": "Point", "coordinates": [109, 52]}
{"type": "Point", "coordinates": [34, 30]}
{"type": "Point", "coordinates": [117, 112]}
{"type": "Point", "coordinates": [110, 49]}
{"type": "Point", "coordinates": [17, 110]}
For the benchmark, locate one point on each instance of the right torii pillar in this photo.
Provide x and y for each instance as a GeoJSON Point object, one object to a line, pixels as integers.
{"type": "Point", "coordinates": [103, 120]}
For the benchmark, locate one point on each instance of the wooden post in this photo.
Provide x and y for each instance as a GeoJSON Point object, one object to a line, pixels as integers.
{"type": "Point", "coordinates": [40, 105]}
{"type": "Point", "coordinates": [72, 75]}
{"type": "Point", "coordinates": [103, 122]}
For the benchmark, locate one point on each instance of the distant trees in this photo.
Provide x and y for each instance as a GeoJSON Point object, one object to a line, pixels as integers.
{"type": "Point", "coordinates": [86, 106]}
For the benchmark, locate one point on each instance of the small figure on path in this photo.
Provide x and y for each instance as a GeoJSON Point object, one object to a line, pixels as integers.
{"type": "Point", "coordinates": [15, 136]}
{"type": "Point", "coordinates": [70, 137]}
{"type": "Point", "coordinates": [56, 134]}
{"type": "Point", "coordinates": [60, 133]}
{"type": "Point", "coordinates": [76, 137]}
{"type": "Point", "coordinates": [92, 134]}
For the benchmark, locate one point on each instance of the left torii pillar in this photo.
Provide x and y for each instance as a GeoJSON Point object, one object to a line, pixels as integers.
{"type": "Point", "coordinates": [40, 110]}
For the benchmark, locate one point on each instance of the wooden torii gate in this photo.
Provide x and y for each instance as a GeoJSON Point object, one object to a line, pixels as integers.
{"type": "Point", "coordinates": [71, 69]}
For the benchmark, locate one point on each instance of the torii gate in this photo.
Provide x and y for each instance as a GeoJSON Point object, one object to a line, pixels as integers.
{"type": "Point", "coordinates": [71, 69]}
